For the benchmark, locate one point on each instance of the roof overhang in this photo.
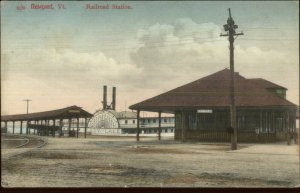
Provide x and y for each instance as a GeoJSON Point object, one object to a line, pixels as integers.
{"type": "Point", "coordinates": [174, 109]}
{"type": "Point", "coordinates": [65, 113]}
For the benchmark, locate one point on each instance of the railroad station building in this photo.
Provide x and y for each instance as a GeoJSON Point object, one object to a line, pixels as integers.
{"type": "Point", "coordinates": [202, 109]}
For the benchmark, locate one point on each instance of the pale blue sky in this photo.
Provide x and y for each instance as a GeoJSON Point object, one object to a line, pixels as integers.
{"type": "Point", "coordinates": [33, 25]}
{"type": "Point", "coordinates": [76, 51]}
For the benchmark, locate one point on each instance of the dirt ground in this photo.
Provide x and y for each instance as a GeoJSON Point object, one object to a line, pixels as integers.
{"type": "Point", "coordinates": [123, 162]}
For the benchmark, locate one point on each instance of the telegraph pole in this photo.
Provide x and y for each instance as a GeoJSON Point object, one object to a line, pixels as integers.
{"type": "Point", "coordinates": [27, 100]}
{"type": "Point", "coordinates": [230, 29]}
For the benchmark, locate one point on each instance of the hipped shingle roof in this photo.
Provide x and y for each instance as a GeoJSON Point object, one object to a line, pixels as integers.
{"type": "Point", "coordinates": [213, 91]}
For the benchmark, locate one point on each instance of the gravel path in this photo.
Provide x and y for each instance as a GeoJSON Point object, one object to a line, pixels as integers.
{"type": "Point", "coordinates": [122, 162]}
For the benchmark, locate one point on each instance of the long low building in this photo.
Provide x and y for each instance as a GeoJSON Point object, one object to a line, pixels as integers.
{"type": "Point", "coordinates": [49, 122]}
{"type": "Point", "coordinates": [202, 109]}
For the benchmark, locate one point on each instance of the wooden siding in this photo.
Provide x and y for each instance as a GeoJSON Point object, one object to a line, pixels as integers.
{"type": "Point", "coordinates": [223, 136]}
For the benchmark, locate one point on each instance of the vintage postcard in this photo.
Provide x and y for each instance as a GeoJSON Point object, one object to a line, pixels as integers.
{"type": "Point", "coordinates": [145, 94]}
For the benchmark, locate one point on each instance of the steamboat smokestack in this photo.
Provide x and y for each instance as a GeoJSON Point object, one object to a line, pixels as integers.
{"type": "Point", "coordinates": [104, 102]}
{"type": "Point", "coordinates": [114, 98]}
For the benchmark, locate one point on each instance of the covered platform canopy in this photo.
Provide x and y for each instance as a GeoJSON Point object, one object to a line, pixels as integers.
{"type": "Point", "coordinates": [43, 118]}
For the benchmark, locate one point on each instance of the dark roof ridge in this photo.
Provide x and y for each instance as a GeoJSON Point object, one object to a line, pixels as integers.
{"type": "Point", "coordinates": [267, 83]}
{"type": "Point", "coordinates": [267, 92]}
{"type": "Point", "coordinates": [212, 90]}
{"type": "Point", "coordinates": [56, 110]}
{"type": "Point", "coordinates": [52, 114]}
{"type": "Point", "coordinates": [225, 70]}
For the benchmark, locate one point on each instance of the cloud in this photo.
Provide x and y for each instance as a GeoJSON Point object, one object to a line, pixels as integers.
{"type": "Point", "coordinates": [67, 67]}
{"type": "Point", "coordinates": [168, 56]}
{"type": "Point", "coordinates": [179, 50]}
{"type": "Point", "coordinates": [177, 53]}
{"type": "Point", "coordinates": [56, 78]}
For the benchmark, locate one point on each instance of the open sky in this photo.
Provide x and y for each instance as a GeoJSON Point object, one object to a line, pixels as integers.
{"type": "Point", "coordinates": [59, 58]}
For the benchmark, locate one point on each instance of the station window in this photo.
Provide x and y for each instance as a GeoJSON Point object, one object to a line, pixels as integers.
{"type": "Point", "coordinates": [126, 121]}
{"type": "Point", "coordinates": [149, 121]}
{"type": "Point", "coordinates": [165, 120]}
{"type": "Point", "coordinates": [154, 120]}
{"type": "Point", "coordinates": [133, 121]}
{"type": "Point", "coordinates": [166, 130]}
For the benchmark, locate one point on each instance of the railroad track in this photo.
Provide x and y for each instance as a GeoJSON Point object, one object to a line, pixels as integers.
{"type": "Point", "coordinates": [16, 141]}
